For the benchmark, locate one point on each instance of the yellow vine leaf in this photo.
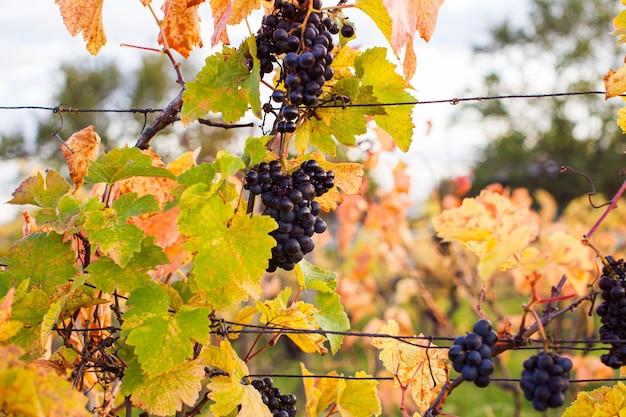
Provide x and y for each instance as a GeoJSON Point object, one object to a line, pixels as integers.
{"type": "Point", "coordinates": [492, 226]}
{"type": "Point", "coordinates": [352, 397]}
{"type": "Point", "coordinates": [227, 391]}
{"type": "Point", "coordinates": [420, 365]}
{"type": "Point", "coordinates": [30, 390]}
{"type": "Point", "coordinates": [601, 402]}
{"type": "Point", "coordinates": [296, 315]}
{"type": "Point", "coordinates": [181, 26]}
{"type": "Point", "coordinates": [358, 398]}
{"type": "Point", "coordinates": [84, 16]}
{"type": "Point", "coordinates": [166, 393]}
{"type": "Point", "coordinates": [619, 23]}
{"type": "Point", "coordinates": [84, 146]}
{"type": "Point", "coordinates": [348, 179]}
{"type": "Point", "coordinates": [615, 82]}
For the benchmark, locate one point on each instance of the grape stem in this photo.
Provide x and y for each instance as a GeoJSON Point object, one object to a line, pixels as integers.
{"type": "Point", "coordinates": [612, 205]}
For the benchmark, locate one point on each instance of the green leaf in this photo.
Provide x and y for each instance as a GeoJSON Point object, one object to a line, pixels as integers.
{"type": "Point", "coordinates": [358, 398]}
{"type": "Point", "coordinates": [255, 150]}
{"type": "Point", "coordinates": [42, 258]}
{"type": "Point", "coordinates": [110, 229]}
{"type": "Point", "coordinates": [373, 69]}
{"type": "Point", "coordinates": [49, 321]}
{"type": "Point", "coordinates": [226, 84]}
{"type": "Point", "coordinates": [312, 277]}
{"type": "Point", "coordinates": [342, 124]}
{"type": "Point", "coordinates": [41, 192]}
{"type": "Point", "coordinates": [30, 308]}
{"type": "Point", "coordinates": [150, 320]}
{"type": "Point", "coordinates": [107, 275]}
{"type": "Point", "coordinates": [377, 11]}
{"type": "Point", "coordinates": [331, 316]}
{"type": "Point", "coordinates": [66, 218]}
{"type": "Point", "coordinates": [228, 164]}
{"type": "Point", "coordinates": [122, 163]}
{"type": "Point", "coordinates": [231, 249]}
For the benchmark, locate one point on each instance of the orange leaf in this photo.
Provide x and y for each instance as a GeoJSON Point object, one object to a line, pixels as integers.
{"type": "Point", "coordinates": [84, 16]}
{"type": "Point", "coordinates": [84, 145]}
{"type": "Point", "coordinates": [427, 12]}
{"type": "Point", "coordinates": [222, 11]}
{"type": "Point", "coordinates": [410, 61]}
{"type": "Point", "coordinates": [181, 26]}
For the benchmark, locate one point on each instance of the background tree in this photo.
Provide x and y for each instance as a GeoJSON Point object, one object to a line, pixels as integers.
{"type": "Point", "coordinates": [563, 48]}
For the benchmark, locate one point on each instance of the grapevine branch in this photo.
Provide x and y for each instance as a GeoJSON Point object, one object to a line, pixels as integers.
{"type": "Point", "coordinates": [167, 116]}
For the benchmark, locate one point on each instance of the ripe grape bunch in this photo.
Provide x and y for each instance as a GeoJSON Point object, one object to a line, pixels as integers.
{"type": "Point", "coordinates": [612, 311]}
{"type": "Point", "coordinates": [279, 405]}
{"type": "Point", "coordinates": [300, 34]}
{"type": "Point", "coordinates": [471, 355]}
{"type": "Point", "coordinates": [289, 199]}
{"type": "Point", "coordinates": [545, 379]}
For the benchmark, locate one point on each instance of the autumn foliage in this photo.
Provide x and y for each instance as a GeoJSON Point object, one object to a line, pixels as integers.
{"type": "Point", "coordinates": [142, 285]}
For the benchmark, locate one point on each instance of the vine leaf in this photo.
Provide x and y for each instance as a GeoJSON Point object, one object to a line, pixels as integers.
{"type": "Point", "coordinates": [615, 82]}
{"type": "Point", "coordinates": [181, 26]}
{"type": "Point", "coordinates": [8, 327]}
{"type": "Point", "coordinates": [352, 397]}
{"type": "Point", "coordinates": [31, 390]}
{"type": "Point", "coordinates": [122, 163]}
{"type": "Point", "coordinates": [426, 13]}
{"type": "Point", "coordinates": [492, 226]}
{"type": "Point", "coordinates": [378, 12]}
{"type": "Point", "coordinates": [312, 277]}
{"type": "Point", "coordinates": [419, 365]}
{"type": "Point", "coordinates": [358, 398]}
{"type": "Point", "coordinates": [110, 229]}
{"type": "Point", "coordinates": [255, 150]}
{"type": "Point", "coordinates": [296, 315]}
{"type": "Point", "coordinates": [227, 84]}
{"type": "Point", "coordinates": [149, 320]}
{"type": "Point", "coordinates": [232, 249]}
{"type": "Point", "coordinates": [227, 391]}
{"type": "Point", "coordinates": [84, 16]}
{"type": "Point", "coordinates": [166, 393]}
{"type": "Point", "coordinates": [332, 316]}
{"type": "Point", "coordinates": [373, 69]}
{"type": "Point", "coordinates": [107, 275]}
{"type": "Point", "coordinates": [348, 179]}
{"type": "Point", "coordinates": [604, 401]}
{"type": "Point", "coordinates": [40, 191]}
{"type": "Point", "coordinates": [84, 146]}
{"type": "Point", "coordinates": [43, 259]}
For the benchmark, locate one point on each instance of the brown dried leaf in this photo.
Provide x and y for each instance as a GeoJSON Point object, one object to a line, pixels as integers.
{"type": "Point", "coordinates": [84, 16]}
{"type": "Point", "coordinates": [222, 11]}
{"type": "Point", "coordinates": [181, 26]}
{"type": "Point", "coordinates": [84, 145]}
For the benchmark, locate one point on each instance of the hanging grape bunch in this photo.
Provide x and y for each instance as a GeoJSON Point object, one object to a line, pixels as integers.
{"type": "Point", "coordinates": [545, 379]}
{"type": "Point", "coordinates": [612, 311]}
{"type": "Point", "coordinates": [289, 199]}
{"type": "Point", "coordinates": [300, 34]}
{"type": "Point", "coordinates": [471, 355]}
{"type": "Point", "coordinates": [280, 405]}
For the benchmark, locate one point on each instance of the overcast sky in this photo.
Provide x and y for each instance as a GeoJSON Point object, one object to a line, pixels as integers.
{"type": "Point", "coordinates": [35, 42]}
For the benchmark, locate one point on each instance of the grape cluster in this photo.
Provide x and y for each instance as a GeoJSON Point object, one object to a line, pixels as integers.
{"type": "Point", "coordinates": [612, 311]}
{"type": "Point", "coordinates": [301, 34]}
{"type": "Point", "coordinates": [280, 405]}
{"type": "Point", "coordinates": [288, 199]}
{"type": "Point", "coordinates": [545, 379]}
{"type": "Point", "coordinates": [471, 355]}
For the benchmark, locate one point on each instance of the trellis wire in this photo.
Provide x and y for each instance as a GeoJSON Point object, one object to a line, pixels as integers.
{"type": "Point", "coordinates": [454, 100]}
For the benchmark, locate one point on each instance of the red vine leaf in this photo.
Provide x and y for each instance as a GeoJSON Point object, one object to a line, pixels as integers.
{"type": "Point", "coordinates": [84, 16]}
